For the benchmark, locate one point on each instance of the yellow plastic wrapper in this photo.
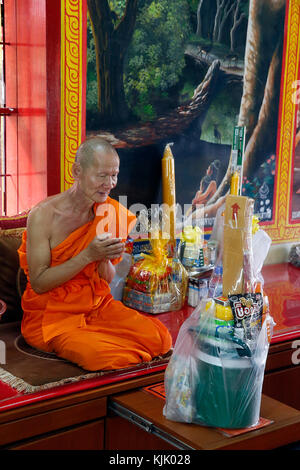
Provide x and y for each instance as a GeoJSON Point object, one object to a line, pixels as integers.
{"type": "Point", "coordinates": [192, 235]}
{"type": "Point", "coordinates": [156, 283]}
{"type": "Point", "coordinates": [255, 224]}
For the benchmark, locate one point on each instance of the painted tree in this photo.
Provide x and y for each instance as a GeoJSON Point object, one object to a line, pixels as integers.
{"type": "Point", "coordinates": [199, 18]}
{"type": "Point", "coordinates": [260, 100]}
{"type": "Point", "coordinates": [112, 37]}
{"type": "Point", "coordinates": [238, 17]}
{"type": "Point", "coordinates": [261, 90]}
{"type": "Point", "coordinates": [138, 47]}
{"type": "Point", "coordinates": [222, 19]}
{"type": "Point", "coordinates": [155, 58]}
{"type": "Point", "coordinates": [224, 9]}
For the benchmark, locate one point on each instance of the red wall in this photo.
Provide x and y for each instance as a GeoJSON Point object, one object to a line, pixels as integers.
{"type": "Point", "coordinates": [32, 78]}
{"type": "Point", "coordinates": [53, 37]}
{"type": "Point", "coordinates": [11, 101]}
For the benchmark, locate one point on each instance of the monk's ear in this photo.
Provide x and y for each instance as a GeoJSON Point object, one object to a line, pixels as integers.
{"type": "Point", "coordinates": [76, 170]}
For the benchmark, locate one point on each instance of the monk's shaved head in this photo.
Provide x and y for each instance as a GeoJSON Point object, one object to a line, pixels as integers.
{"type": "Point", "coordinates": [87, 150]}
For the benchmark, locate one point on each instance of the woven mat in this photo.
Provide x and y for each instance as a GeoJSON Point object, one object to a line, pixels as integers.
{"type": "Point", "coordinates": [28, 370]}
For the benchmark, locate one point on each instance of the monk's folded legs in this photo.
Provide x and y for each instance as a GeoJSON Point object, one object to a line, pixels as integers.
{"type": "Point", "coordinates": [115, 338]}
{"type": "Point", "coordinates": [99, 351]}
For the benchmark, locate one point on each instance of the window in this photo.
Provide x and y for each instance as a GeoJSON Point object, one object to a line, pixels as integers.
{"type": "Point", "coordinates": [23, 113]}
{"type": "Point", "coordinates": [5, 112]}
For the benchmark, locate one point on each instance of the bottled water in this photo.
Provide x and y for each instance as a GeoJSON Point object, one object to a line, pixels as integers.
{"type": "Point", "coordinates": [215, 287]}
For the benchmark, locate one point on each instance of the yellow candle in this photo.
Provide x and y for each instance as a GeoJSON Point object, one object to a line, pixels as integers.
{"type": "Point", "coordinates": [234, 184]}
{"type": "Point", "coordinates": [168, 193]}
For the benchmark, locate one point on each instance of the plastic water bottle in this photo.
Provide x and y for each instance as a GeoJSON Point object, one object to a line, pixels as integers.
{"type": "Point", "coordinates": [118, 282]}
{"type": "Point", "coordinates": [215, 286]}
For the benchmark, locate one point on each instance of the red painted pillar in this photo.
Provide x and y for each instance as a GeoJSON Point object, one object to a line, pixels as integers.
{"type": "Point", "coordinates": [11, 134]}
{"type": "Point", "coordinates": [53, 43]}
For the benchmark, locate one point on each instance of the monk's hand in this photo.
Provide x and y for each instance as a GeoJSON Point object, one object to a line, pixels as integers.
{"type": "Point", "coordinates": [102, 248]}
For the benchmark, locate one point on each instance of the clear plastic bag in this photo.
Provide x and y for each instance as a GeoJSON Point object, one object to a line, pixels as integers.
{"type": "Point", "coordinates": [156, 283]}
{"type": "Point", "coordinates": [213, 377]}
{"type": "Point", "coordinates": [216, 372]}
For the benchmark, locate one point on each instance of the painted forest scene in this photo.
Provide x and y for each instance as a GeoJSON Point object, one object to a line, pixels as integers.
{"type": "Point", "coordinates": [187, 72]}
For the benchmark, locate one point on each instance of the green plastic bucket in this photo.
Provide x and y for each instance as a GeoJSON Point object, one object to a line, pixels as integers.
{"type": "Point", "coordinates": [228, 394]}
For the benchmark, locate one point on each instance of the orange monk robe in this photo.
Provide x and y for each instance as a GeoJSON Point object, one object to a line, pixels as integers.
{"type": "Point", "coordinates": [79, 320]}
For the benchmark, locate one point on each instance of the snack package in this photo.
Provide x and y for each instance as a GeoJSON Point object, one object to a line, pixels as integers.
{"type": "Point", "coordinates": [221, 349]}
{"type": "Point", "coordinates": [156, 283]}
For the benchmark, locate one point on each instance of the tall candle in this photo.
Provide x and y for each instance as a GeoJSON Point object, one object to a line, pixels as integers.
{"type": "Point", "coordinates": [168, 193]}
{"type": "Point", "coordinates": [234, 184]}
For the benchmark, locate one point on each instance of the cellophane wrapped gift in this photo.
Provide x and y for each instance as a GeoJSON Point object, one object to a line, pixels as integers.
{"type": "Point", "coordinates": [156, 283]}
{"type": "Point", "coordinates": [215, 374]}
{"type": "Point", "coordinates": [214, 378]}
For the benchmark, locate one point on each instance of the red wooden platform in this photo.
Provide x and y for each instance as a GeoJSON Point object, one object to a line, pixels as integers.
{"type": "Point", "coordinates": [282, 285]}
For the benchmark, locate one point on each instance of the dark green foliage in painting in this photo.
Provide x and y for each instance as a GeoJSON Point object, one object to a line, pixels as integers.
{"type": "Point", "coordinates": [154, 61]}
{"type": "Point", "coordinates": [156, 55]}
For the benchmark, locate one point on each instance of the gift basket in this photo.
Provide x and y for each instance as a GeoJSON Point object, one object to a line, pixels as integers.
{"type": "Point", "coordinates": [156, 282]}
{"type": "Point", "coordinates": [215, 374]}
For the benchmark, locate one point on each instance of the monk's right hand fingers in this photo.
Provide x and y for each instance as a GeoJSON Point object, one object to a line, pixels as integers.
{"type": "Point", "coordinates": [115, 249]}
{"type": "Point", "coordinates": [112, 241]}
{"type": "Point", "coordinates": [107, 250]}
{"type": "Point", "coordinates": [106, 241]}
{"type": "Point", "coordinates": [104, 249]}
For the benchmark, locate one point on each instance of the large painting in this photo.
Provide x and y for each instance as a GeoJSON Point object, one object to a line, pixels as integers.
{"type": "Point", "coordinates": [186, 72]}
{"type": "Point", "coordinates": [295, 186]}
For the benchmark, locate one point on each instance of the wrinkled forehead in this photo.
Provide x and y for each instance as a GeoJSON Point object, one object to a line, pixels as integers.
{"type": "Point", "coordinates": [108, 160]}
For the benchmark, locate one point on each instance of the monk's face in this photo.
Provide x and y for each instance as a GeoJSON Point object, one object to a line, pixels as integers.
{"type": "Point", "coordinates": [101, 176]}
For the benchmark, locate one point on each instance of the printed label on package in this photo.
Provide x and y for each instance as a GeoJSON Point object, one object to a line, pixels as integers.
{"type": "Point", "coordinates": [247, 312]}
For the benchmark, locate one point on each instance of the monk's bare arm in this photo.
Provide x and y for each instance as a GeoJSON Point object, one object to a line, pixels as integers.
{"type": "Point", "coordinates": [42, 276]}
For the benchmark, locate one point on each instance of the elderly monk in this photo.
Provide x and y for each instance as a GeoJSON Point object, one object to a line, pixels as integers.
{"type": "Point", "coordinates": [69, 262]}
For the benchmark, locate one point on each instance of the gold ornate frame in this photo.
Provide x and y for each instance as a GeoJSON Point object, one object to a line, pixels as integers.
{"type": "Point", "coordinates": [72, 85]}
{"type": "Point", "coordinates": [73, 80]}
{"type": "Point", "coordinates": [282, 230]}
